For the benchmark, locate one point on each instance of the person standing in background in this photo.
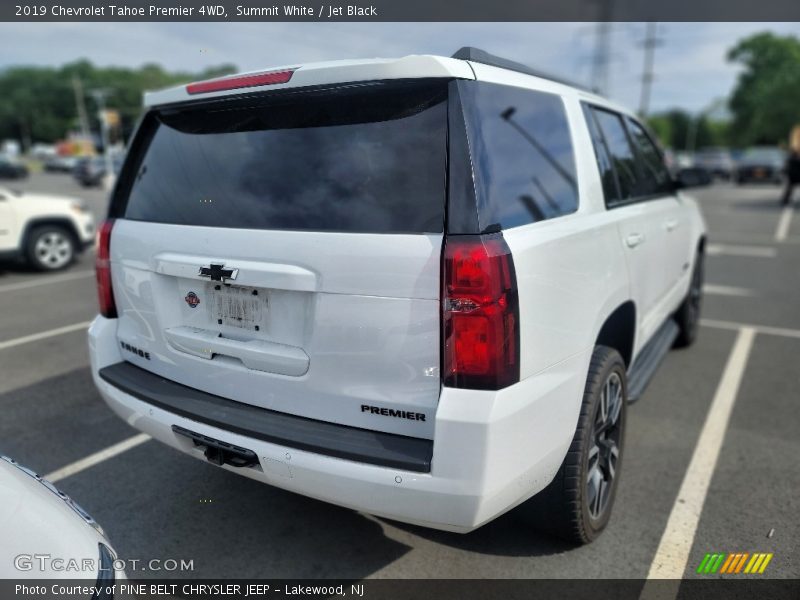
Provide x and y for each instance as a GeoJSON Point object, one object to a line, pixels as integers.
{"type": "Point", "coordinates": [792, 165]}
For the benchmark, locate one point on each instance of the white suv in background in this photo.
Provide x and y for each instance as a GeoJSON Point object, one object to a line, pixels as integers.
{"type": "Point", "coordinates": [422, 288]}
{"type": "Point", "coordinates": [47, 231]}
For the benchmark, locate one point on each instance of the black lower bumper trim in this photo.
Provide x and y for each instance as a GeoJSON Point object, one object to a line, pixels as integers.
{"type": "Point", "coordinates": [321, 437]}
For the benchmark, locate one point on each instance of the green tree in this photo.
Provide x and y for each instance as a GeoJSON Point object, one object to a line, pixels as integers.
{"type": "Point", "coordinates": [766, 100]}
{"type": "Point", "coordinates": [662, 127]}
{"type": "Point", "coordinates": [38, 103]}
{"type": "Point", "coordinates": [674, 128]}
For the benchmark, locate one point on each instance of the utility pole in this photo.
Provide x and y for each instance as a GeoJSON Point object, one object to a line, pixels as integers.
{"type": "Point", "coordinates": [694, 123]}
{"type": "Point", "coordinates": [602, 51]}
{"type": "Point", "coordinates": [100, 96]}
{"type": "Point", "coordinates": [602, 46]}
{"type": "Point", "coordinates": [650, 42]}
{"type": "Point", "coordinates": [80, 105]}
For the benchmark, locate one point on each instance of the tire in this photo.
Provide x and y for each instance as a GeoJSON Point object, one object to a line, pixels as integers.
{"type": "Point", "coordinates": [688, 314]}
{"type": "Point", "coordinates": [50, 248]}
{"type": "Point", "coordinates": [568, 508]}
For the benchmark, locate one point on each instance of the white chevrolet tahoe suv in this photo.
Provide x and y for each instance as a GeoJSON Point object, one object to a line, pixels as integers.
{"type": "Point", "coordinates": [421, 288]}
{"type": "Point", "coordinates": [46, 231]}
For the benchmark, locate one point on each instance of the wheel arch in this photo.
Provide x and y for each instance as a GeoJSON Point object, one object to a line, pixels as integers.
{"type": "Point", "coordinates": [64, 222]}
{"type": "Point", "coordinates": [619, 331]}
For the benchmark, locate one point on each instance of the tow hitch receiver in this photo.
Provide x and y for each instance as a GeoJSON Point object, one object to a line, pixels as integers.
{"type": "Point", "coordinates": [217, 452]}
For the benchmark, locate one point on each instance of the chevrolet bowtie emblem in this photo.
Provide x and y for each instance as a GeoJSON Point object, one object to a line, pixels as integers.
{"type": "Point", "coordinates": [218, 272]}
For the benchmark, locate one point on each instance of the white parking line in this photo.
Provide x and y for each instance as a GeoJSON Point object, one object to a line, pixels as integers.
{"type": "Point", "coordinates": [673, 551]}
{"type": "Point", "coordinates": [35, 337]}
{"type": "Point", "coordinates": [732, 250]}
{"type": "Point", "coordinates": [782, 230]}
{"type": "Point", "coordinates": [725, 237]}
{"type": "Point", "coordinates": [726, 290]}
{"type": "Point", "coordinates": [45, 280]}
{"type": "Point", "coordinates": [96, 458]}
{"type": "Point", "coordinates": [766, 329]}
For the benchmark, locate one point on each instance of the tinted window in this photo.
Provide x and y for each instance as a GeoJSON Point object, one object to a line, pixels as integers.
{"type": "Point", "coordinates": [655, 176]}
{"type": "Point", "coordinates": [621, 153]}
{"type": "Point", "coordinates": [607, 175]}
{"type": "Point", "coordinates": [352, 159]}
{"type": "Point", "coordinates": [522, 154]}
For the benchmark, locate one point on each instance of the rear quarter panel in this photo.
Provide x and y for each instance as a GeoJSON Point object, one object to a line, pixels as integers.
{"type": "Point", "coordinates": [571, 275]}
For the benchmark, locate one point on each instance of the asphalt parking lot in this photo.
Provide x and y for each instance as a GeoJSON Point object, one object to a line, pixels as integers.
{"type": "Point", "coordinates": [157, 503]}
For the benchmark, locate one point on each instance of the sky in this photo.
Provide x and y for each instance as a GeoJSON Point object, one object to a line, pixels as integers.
{"type": "Point", "coordinates": [691, 70]}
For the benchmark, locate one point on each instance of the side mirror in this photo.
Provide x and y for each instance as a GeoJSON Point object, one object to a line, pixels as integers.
{"type": "Point", "coordinates": [692, 177]}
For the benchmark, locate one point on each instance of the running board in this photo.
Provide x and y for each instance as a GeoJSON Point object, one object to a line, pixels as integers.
{"type": "Point", "coordinates": [646, 364]}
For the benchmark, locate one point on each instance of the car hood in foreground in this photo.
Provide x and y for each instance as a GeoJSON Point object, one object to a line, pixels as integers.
{"type": "Point", "coordinates": [36, 520]}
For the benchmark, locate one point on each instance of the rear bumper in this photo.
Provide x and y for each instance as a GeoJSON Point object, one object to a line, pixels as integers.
{"type": "Point", "coordinates": [321, 437]}
{"type": "Point", "coordinates": [491, 450]}
{"type": "Point", "coordinates": [84, 230]}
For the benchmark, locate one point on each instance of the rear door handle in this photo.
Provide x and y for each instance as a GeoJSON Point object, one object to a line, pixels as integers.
{"type": "Point", "coordinates": [634, 240]}
{"type": "Point", "coordinates": [671, 224]}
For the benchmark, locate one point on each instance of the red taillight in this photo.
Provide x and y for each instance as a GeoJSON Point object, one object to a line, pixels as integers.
{"type": "Point", "coordinates": [480, 314]}
{"type": "Point", "coordinates": [241, 81]}
{"type": "Point", "coordinates": [102, 265]}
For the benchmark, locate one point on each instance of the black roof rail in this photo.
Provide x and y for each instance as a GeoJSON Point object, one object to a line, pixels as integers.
{"type": "Point", "coordinates": [483, 57]}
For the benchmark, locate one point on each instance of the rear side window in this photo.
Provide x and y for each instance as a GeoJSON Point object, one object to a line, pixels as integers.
{"type": "Point", "coordinates": [631, 165]}
{"type": "Point", "coordinates": [368, 158]}
{"type": "Point", "coordinates": [604, 163]}
{"type": "Point", "coordinates": [622, 156]}
{"type": "Point", "coordinates": [522, 154]}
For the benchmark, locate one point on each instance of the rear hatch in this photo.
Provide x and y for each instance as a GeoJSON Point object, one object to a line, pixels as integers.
{"type": "Point", "coordinates": [284, 251]}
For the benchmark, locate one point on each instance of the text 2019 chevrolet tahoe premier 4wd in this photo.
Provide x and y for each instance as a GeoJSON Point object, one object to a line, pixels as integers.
{"type": "Point", "coordinates": [421, 288]}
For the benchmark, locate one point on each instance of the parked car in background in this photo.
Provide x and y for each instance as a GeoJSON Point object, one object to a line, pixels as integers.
{"type": "Point", "coordinates": [10, 148]}
{"type": "Point", "coordinates": [682, 167]}
{"type": "Point", "coordinates": [717, 161]}
{"type": "Point", "coordinates": [690, 177]}
{"type": "Point", "coordinates": [43, 530]}
{"type": "Point", "coordinates": [761, 164]}
{"type": "Point", "coordinates": [91, 171]}
{"type": "Point", "coordinates": [684, 159]}
{"type": "Point", "coordinates": [42, 152]}
{"type": "Point", "coordinates": [678, 159]}
{"type": "Point", "coordinates": [60, 163]}
{"type": "Point", "coordinates": [283, 300]}
{"type": "Point", "coordinates": [12, 168]}
{"type": "Point", "coordinates": [46, 231]}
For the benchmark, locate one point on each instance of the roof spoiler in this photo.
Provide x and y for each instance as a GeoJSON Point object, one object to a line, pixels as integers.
{"type": "Point", "coordinates": [481, 56]}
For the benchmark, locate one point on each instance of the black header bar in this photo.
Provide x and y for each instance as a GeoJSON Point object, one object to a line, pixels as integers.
{"type": "Point", "coordinates": [398, 10]}
{"type": "Point", "coordinates": [410, 589]}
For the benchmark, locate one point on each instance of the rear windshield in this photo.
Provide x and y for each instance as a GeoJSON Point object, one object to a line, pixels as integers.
{"type": "Point", "coordinates": [359, 158]}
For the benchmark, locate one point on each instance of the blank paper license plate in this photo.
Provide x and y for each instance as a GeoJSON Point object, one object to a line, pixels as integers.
{"type": "Point", "coordinates": [238, 306]}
